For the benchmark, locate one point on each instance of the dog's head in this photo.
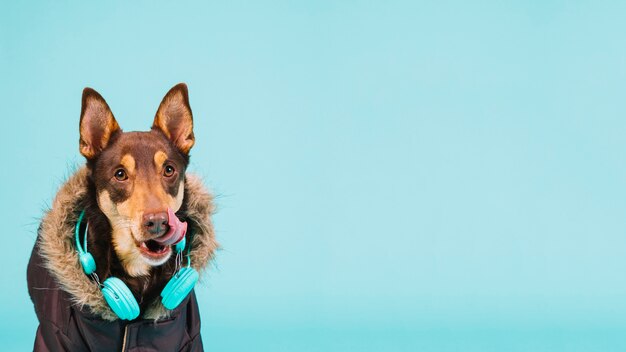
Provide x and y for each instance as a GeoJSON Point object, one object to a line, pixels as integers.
{"type": "Point", "coordinates": [138, 176]}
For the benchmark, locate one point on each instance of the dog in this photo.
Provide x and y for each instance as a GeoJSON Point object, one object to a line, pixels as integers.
{"type": "Point", "coordinates": [124, 229]}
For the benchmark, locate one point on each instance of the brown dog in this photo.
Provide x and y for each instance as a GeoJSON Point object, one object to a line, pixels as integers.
{"type": "Point", "coordinates": [136, 176]}
{"type": "Point", "coordinates": [131, 181]}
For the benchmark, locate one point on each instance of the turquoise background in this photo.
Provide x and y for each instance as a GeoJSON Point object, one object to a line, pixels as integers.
{"type": "Point", "coordinates": [392, 176]}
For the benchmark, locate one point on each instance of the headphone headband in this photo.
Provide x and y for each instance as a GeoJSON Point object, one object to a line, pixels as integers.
{"type": "Point", "coordinates": [78, 246]}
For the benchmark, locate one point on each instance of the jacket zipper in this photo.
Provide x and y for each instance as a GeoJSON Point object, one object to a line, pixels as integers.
{"type": "Point", "coordinates": [125, 336]}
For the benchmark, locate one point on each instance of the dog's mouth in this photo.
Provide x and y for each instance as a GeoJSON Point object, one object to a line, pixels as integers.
{"type": "Point", "coordinates": [158, 249]}
{"type": "Point", "coordinates": [153, 249]}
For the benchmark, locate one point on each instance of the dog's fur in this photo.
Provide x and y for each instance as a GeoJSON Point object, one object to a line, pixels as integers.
{"type": "Point", "coordinates": [128, 177]}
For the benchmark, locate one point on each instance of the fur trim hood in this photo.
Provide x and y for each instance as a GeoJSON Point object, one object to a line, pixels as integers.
{"type": "Point", "coordinates": [58, 249]}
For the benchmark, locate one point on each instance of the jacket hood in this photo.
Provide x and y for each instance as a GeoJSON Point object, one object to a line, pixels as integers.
{"type": "Point", "coordinates": [58, 249]}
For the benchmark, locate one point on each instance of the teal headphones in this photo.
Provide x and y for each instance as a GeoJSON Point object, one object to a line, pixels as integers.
{"type": "Point", "coordinates": [119, 297]}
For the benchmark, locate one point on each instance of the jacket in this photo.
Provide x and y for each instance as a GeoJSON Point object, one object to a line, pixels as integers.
{"type": "Point", "coordinates": [72, 313]}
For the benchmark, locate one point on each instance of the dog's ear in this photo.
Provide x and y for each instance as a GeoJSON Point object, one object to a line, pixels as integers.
{"type": "Point", "coordinates": [174, 118]}
{"type": "Point", "coordinates": [97, 124]}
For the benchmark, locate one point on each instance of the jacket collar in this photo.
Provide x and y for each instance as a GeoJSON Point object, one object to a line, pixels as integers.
{"type": "Point", "coordinates": [57, 245]}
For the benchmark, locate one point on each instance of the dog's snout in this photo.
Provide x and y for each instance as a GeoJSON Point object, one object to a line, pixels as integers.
{"type": "Point", "coordinates": [155, 223]}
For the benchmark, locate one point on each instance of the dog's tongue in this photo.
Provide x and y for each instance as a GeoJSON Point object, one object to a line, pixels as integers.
{"type": "Point", "coordinates": [177, 230]}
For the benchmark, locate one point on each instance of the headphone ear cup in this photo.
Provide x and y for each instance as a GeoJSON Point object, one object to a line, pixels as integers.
{"type": "Point", "coordinates": [179, 287]}
{"type": "Point", "coordinates": [120, 299]}
{"type": "Point", "coordinates": [87, 262]}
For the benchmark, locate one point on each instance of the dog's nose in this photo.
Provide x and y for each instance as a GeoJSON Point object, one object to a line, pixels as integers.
{"type": "Point", "coordinates": [155, 223]}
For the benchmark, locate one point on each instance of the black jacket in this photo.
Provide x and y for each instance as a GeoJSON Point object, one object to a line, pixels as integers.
{"type": "Point", "coordinates": [72, 313]}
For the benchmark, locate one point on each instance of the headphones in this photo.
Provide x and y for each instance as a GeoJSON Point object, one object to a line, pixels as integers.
{"type": "Point", "coordinates": [119, 297]}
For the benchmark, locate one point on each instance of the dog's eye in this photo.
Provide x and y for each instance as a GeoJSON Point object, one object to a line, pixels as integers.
{"type": "Point", "coordinates": [168, 171]}
{"type": "Point", "coordinates": [120, 175]}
